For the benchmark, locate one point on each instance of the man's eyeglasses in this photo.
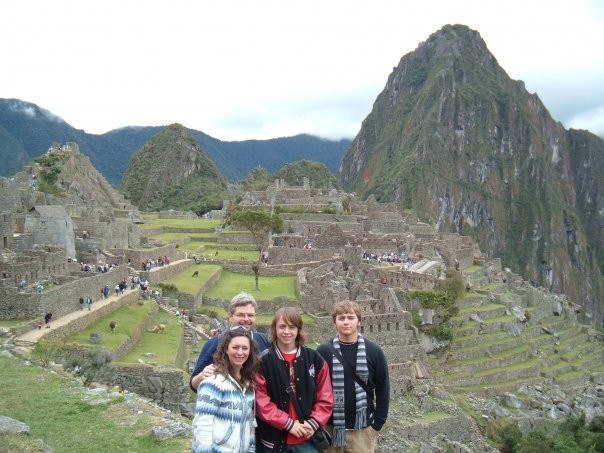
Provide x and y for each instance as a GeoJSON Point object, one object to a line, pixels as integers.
{"type": "Point", "coordinates": [244, 315]}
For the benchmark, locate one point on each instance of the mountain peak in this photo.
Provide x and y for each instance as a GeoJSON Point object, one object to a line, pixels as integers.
{"type": "Point", "coordinates": [453, 138]}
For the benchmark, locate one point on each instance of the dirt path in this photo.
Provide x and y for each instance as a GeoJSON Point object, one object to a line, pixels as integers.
{"type": "Point", "coordinates": [34, 335]}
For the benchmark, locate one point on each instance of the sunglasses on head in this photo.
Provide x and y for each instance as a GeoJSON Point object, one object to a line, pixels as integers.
{"type": "Point", "coordinates": [239, 328]}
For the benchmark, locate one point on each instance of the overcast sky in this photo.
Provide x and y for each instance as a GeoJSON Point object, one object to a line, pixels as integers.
{"type": "Point", "coordinates": [255, 69]}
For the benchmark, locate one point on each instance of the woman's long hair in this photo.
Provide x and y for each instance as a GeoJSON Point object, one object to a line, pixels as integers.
{"type": "Point", "coordinates": [223, 364]}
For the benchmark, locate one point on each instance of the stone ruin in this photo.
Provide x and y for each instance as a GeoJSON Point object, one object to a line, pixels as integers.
{"type": "Point", "coordinates": [334, 256]}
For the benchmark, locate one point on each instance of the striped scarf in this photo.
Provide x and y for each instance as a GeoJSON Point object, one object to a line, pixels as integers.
{"type": "Point", "coordinates": [339, 415]}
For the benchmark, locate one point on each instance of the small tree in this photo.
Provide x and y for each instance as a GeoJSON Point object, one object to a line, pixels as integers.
{"type": "Point", "coordinates": [45, 352]}
{"type": "Point", "coordinates": [259, 223]}
{"type": "Point", "coordinates": [347, 204]}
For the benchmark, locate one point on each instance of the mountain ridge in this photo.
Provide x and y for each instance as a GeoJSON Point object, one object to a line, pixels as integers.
{"type": "Point", "coordinates": [28, 131]}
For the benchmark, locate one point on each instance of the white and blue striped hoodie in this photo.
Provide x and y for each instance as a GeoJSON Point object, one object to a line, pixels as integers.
{"type": "Point", "coordinates": [224, 417]}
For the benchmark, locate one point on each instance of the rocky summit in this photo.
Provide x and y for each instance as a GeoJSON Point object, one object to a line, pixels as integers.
{"type": "Point", "coordinates": [455, 140]}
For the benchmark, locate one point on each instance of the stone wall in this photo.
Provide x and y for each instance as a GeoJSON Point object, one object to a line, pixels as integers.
{"type": "Point", "coordinates": [404, 279]}
{"type": "Point", "coordinates": [34, 265]}
{"type": "Point", "coordinates": [138, 255]}
{"type": "Point", "coordinates": [385, 226]}
{"type": "Point", "coordinates": [61, 299]}
{"type": "Point", "coordinates": [265, 307]}
{"type": "Point", "coordinates": [7, 226]}
{"type": "Point", "coordinates": [321, 217]}
{"type": "Point", "coordinates": [172, 214]}
{"type": "Point", "coordinates": [283, 255]}
{"type": "Point", "coordinates": [165, 386]}
{"type": "Point", "coordinates": [161, 273]}
{"type": "Point", "coordinates": [245, 267]}
{"type": "Point", "coordinates": [234, 237]}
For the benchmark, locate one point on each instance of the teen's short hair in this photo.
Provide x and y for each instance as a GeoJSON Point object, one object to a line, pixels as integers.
{"type": "Point", "coordinates": [241, 300]}
{"type": "Point", "coordinates": [345, 306]}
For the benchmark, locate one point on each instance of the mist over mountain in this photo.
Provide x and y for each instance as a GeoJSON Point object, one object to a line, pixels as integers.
{"type": "Point", "coordinates": [469, 150]}
{"type": "Point", "coordinates": [27, 131]}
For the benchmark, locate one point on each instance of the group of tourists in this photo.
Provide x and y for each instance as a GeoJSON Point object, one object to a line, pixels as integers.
{"type": "Point", "coordinates": [278, 395]}
{"type": "Point", "coordinates": [150, 263]}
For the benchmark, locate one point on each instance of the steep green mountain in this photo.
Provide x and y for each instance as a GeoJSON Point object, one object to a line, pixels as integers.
{"type": "Point", "coordinates": [27, 131]}
{"type": "Point", "coordinates": [452, 137]}
{"type": "Point", "coordinates": [172, 172]}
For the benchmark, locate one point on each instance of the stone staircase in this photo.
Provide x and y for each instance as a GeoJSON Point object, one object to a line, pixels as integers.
{"type": "Point", "coordinates": [190, 329]}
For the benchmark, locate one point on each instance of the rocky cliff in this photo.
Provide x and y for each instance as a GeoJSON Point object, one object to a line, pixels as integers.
{"type": "Point", "coordinates": [454, 139]}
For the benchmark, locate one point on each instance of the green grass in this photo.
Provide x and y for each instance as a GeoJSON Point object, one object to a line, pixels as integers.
{"type": "Point", "coordinates": [187, 284]}
{"type": "Point", "coordinates": [269, 287]}
{"type": "Point", "coordinates": [162, 345]}
{"type": "Point", "coordinates": [472, 268]}
{"type": "Point", "coordinates": [486, 340]}
{"type": "Point", "coordinates": [57, 413]}
{"type": "Point", "coordinates": [175, 236]}
{"type": "Point", "coordinates": [192, 246]}
{"type": "Point", "coordinates": [498, 356]}
{"type": "Point", "coordinates": [8, 323]}
{"type": "Point", "coordinates": [128, 319]}
{"type": "Point", "coordinates": [425, 419]}
{"type": "Point", "coordinates": [229, 254]}
{"type": "Point", "coordinates": [482, 308]}
{"type": "Point", "coordinates": [182, 223]}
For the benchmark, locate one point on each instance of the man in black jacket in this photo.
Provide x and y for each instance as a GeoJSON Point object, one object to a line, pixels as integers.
{"type": "Point", "coordinates": [361, 386]}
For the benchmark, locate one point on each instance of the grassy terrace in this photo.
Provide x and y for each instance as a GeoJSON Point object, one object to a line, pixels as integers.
{"type": "Point", "coordinates": [229, 254]}
{"type": "Point", "coordinates": [426, 419]}
{"type": "Point", "coordinates": [486, 340]}
{"type": "Point", "coordinates": [128, 319]}
{"type": "Point", "coordinates": [498, 356]}
{"type": "Point", "coordinates": [162, 345]}
{"type": "Point", "coordinates": [491, 372]}
{"type": "Point", "coordinates": [482, 308]}
{"type": "Point", "coordinates": [269, 287]}
{"type": "Point", "coordinates": [175, 236]}
{"type": "Point", "coordinates": [191, 285]}
{"type": "Point", "coordinates": [181, 223]}
{"type": "Point", "coordinates": [520, 348]}
{"type": "Point", "coordinates": [508, 384]}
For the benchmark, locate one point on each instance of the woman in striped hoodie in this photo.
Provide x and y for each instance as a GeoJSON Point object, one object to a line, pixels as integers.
{"type": "Point", "coordinates": [224, 415]}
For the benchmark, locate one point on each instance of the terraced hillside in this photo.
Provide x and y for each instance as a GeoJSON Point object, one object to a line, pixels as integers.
{"type": "Point", "coordinates": [505, 338]}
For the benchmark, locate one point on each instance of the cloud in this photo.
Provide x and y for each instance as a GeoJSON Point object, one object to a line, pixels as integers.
{"type": "Point", "coordinates": [23, 108]}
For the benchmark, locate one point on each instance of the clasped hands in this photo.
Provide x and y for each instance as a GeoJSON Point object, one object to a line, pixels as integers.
{"type": "Point", "coordinates": [302, 429]}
